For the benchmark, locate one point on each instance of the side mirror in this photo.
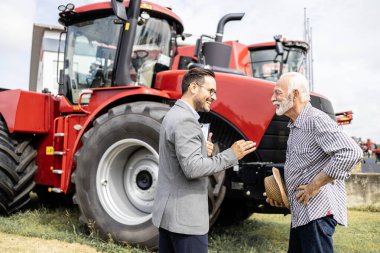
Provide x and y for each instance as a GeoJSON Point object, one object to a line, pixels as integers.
{"type": "Point", "coordinates": [119, 9]}
{"type": "Point", "coordinates": [144, 16]}
{"type": "Point", "coordinates": [60, 77]}
{"type": "Point", "coordinates": [279, 47]}
{"type": "Point", "coordinates": [197, 48]}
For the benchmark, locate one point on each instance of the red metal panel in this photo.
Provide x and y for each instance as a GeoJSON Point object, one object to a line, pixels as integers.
{"type": "Point", "coordinates": [183, 51]}
{"type": "Point", "coordinates": [44, 144]}
{"type": "Point", "coordinates": [44, 161]}
{"type": "Point", "coordinates": [239, 56]}
{"type": "Point", "coordinates": [246, 103]}
{"type": "Point", "coordinates": [243, 101]}
{"type": "Point", "coordinates": [240, 59]}
{"type": "Point", "coordinates": [25, 111]}
{"type": "Point", "coordinates": [8, 106]}
{"type": "Point", "coordinates": [171, 82]}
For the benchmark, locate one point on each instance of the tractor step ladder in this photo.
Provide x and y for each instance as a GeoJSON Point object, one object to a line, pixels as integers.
{"type": "Point", "coordinates": [66, 130]}
{"type": "Point", "coordinates": [59, 145]}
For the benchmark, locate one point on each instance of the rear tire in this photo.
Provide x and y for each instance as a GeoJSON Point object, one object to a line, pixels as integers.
{"type": "Point", "coordinates": [216, 191]}
{"type": "Point", "coordinates": [17, 170]}
{"type": "Point", "coordinates": [233, 211]}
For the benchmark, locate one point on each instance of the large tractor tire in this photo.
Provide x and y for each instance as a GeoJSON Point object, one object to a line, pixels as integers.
{"type": "Point", "coordinates": [117, 171]}
{"type": "Point", "coordinates": [230, 211]}
{"type": "Point", "coordinates": [216, 191]}
{"type": "Point", "coordinates": [17, 170]}
{"type": "Point", "coordinates": [216, 194]}
{"type": "Point", "coordinates": [233, 211]}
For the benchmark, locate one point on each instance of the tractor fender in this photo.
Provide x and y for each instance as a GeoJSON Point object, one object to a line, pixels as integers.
{"type": "Point", "coordinates": [26, 111]}
{"type": "Point", "coordinates": [132, 94]}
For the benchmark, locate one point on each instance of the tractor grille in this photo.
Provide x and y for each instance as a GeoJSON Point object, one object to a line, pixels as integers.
{"type": "Point", "coordinates": [224, 133]}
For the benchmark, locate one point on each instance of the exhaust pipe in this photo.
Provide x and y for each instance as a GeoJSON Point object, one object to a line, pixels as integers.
{"type": "Point", "coordinates": [223, 21]}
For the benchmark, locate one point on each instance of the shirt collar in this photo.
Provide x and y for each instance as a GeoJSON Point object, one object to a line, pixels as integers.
{"type": "Point", "coordinates": [301, 117]}
{"type": "Point", "coordinates": [196, 115]}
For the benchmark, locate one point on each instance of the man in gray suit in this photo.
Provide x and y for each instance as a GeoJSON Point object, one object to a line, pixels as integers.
{"type": "Point", "coordinates": [180, 209]}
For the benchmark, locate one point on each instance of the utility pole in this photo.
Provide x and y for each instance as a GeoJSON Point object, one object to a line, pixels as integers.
{"type": "Point", "coordinates": [307, 37]}
{"type": "Point", "coordinates": [311, 77]}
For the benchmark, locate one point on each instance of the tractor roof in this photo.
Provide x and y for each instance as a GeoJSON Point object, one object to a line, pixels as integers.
{"type": "Point", "coordinates": [105, 8]}
{"type": "Point", "coordinates": [287, 43]}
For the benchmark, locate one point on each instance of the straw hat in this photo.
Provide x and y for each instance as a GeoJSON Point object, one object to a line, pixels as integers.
{"type": "Point", "coordinates": [275, 188]}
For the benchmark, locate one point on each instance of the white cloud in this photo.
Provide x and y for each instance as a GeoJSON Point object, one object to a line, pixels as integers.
{"type": "Point", "coordinates": [17, 19]}
{"type": "Point", "coordinates": [15, 43]}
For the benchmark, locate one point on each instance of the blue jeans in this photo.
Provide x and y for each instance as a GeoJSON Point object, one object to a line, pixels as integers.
{"type": "Point", "coordinates": [314, 237]}
{"type": "Point", "coordinates": [170, 242]}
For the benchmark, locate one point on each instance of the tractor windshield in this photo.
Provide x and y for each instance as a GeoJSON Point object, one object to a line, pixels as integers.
{"type": "Point", "coordinates": [91, 51]}
{"type": "Point", "coordinates": [266, 63]}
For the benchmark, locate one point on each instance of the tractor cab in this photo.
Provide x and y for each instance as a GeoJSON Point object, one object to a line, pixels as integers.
{"type": "Point", "coordinates": [96, 40]}
{"type": "Point", "coordinates": [268, 62]}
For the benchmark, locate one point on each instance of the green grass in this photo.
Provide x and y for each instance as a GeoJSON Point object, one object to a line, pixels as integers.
{"type": "Point", "coordinates": [270, 233]}
{"type": "Point", "coordinates": [260, 233]}
{"type": "Point", "coordinates": [361, 235]}
{"type": "Point", "coordinates": [370, 208]}
{"type": "Point", "coordinates": [61, 224]}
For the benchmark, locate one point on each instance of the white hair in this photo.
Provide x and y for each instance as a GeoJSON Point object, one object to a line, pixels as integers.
{"type": "Point", "coordinates": [297, 81]}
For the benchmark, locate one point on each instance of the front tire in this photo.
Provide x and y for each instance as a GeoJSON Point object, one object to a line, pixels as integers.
{"type": "Point", "coordinates": [117, 170]}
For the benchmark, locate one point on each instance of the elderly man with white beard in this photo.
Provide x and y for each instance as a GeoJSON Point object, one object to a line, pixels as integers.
{"type": "Point", "coordinates": [319, 157]}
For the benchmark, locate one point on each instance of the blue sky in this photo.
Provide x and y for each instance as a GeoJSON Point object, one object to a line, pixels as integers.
{"type": "Point", "coordinates": [346, 43]}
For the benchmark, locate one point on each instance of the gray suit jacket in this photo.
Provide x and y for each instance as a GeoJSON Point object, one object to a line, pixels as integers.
{"type": "Point", "coordinates": [181, 203]}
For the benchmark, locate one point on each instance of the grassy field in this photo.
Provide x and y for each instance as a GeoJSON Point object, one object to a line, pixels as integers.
{"type": "Point", "coordinates": [270, 233]}
{"type": "Point", "coordinates": [260, 233]}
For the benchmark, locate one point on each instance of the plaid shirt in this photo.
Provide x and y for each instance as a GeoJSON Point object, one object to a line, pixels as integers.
{"type": "Point", "coordinates": [316, 143]}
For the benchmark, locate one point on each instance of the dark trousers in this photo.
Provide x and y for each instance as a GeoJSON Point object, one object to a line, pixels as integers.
{"type": "Point", "coordinates": [170, 242]}
{"type": "Point", "coordinates": [314, 237]}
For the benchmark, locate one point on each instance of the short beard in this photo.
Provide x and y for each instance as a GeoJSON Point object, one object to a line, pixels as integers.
{"type": "Point", "coordinates": [284, 106]}
{"type": "Point", "coordinates": [198, 105]}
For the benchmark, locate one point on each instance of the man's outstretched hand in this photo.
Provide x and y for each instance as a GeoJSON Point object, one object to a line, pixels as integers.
{"type": "Point", "coordinates": [242, 148]}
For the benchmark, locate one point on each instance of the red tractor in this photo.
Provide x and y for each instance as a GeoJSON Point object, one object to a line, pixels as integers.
{"type": "Point", "coordinates": [98, 139]}
{"type": "Point", "coordinates": [344, 118]}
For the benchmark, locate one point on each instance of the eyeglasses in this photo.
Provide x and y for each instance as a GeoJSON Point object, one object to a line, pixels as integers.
{"type": "Point", "coordinates": [211, 91]}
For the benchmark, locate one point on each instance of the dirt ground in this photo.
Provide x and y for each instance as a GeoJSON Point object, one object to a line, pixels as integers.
{"type": "Point", "coordinates": [19, 244]}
